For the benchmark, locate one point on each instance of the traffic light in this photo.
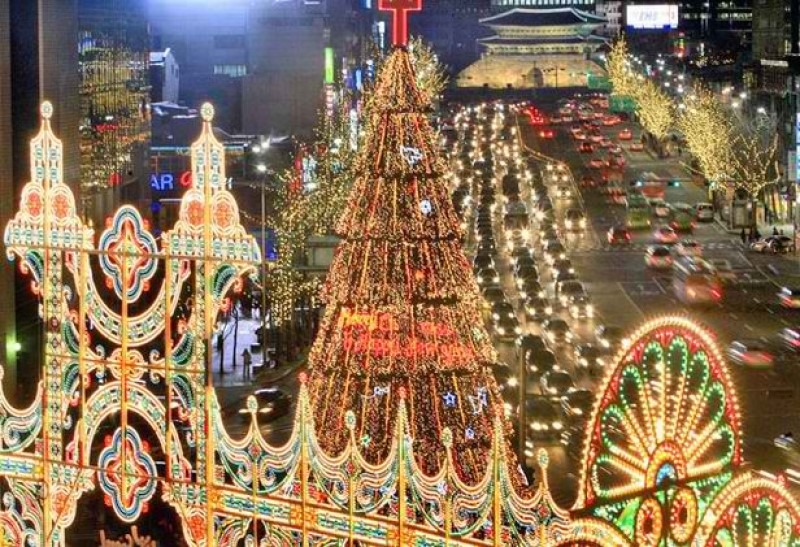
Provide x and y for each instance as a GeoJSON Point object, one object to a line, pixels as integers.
{"type": "Point", "coordinates": [674, 184]}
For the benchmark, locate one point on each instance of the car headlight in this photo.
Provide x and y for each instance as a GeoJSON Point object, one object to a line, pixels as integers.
{"type": "Point", "coordinates": [589, 309]}
{"type": "Point", "coordinates": [512, 382]}
{"type": "Point", "coordinates": [558, 426]}
{"type": "Point", "coordinates": [577, 411]}
{"type": "Point", "coordinates": [583, 223]}
{"type": "Point", "coordinates": [495, 316]}
{"type": "Point", "coordinates": [541, 294]}
{"type": "Point", "coordinates": [536, 426]}
{"type": "Point", "coordinates": [501, 330]}
{"type": "Point", "coordinates": [517, 330]}
{"type": "Point", "coordinates": [568, 224]}
{"type": "Point", "coordinates": [568, 335]}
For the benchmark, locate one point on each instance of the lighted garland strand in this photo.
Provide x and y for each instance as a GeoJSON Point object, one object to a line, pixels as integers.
{"type": "Point", "coordinates": [402, 307]}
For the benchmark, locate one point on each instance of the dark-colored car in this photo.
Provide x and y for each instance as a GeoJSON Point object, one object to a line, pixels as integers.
{"type": "Point", "coordinates": [502, 309]}
{"type": "Point", "coordinates": [556, 383]}
{"type": "Point", "coordinates": [577, 404]}
{"type": "Point", "coordinates": [538, 362]}
{"type": "Point", "coordinates": [531, 342]}
{"type": "Point", "coordinates": [544, 418]}
{"type": "Point", "coordinates": [482, 262]}
{"type": "Point", "coordinates": [531, 287]}
{"type": "Point", "coordinates": [557, 331]}
{"type": "Point", "coordinates": [506, 327]}
{"type": "Point", "coordinates": [609, 336]}
{"type": "Point", "coordinates": [487, 277]}
{"type": "Point", "coordinates": [537, 308]}
{"type": "Point", "coordinates": [618, 235]}
{"type": "Point", "coordinates": [271, 403]}
{"type": "Point", "coordinates": [589, 357]}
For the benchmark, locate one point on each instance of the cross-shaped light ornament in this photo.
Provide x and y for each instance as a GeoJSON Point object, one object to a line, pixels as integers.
{"type": "Point", "coordinates": [400, 9]}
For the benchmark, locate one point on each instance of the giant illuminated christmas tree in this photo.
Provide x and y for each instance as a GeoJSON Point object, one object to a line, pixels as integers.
{"type": "Point", "coordinates": [402, 319]}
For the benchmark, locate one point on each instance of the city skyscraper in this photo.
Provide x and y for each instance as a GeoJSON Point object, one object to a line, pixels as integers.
{"type": "Point", "coordinates": [38, 61]}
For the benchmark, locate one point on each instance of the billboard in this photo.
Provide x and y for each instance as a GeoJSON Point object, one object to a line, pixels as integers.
{"type": "Point", "coordinates": [652, 16]}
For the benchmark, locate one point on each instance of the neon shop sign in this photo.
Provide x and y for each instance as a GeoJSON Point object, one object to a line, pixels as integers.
{"type": "Point", "coordinates": [165, 182]}
{"type": "Point", "coordinates": [378, 335]}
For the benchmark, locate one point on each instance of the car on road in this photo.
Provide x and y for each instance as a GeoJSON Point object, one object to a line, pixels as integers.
{"type": "Point", "coordinates": [482, 262]}
{"type": "Point", "coordinates": [505, 377]}
{"type": "Point", "coordinates": [506, 327]}
{"type": "Point", "coordinates": [580, 307]}
{"type": "Point", "coordinates": [546, 134]}
{"type": "Point", "coordinates": [751, 353]}
{"type": "Point", "coordinates": [586, 148]}
{"type": "Point", "coordinates": [557, 331]}
{"type": "Point", "coordinates": [596, 163]}
{"type": "Point", "coordinates": [665, 235]}
{"type": "Point", "coordinates": [544, 418]}
{"type": "Point", "coordinates": [529, 287]}
{"type": "Point", "coordinates": [596, 137]}
{"type": "Point", "coordinates": [487, 277]}
{"type": "Point", "coordinates": [530, 342]}
{"type": "Point", "coordinates": [704, 212]}
{"type": "Point", "coordinates": [625, 135]}
{"type": "Point", "coordinates": [689, 247]}
{"type": "Point", "coordinates": [605, 142]}
{"type": "Point", "coordinates": [563, 191]}
{"type": "Point", "coordinates": [271, 404]}
{"type": "Point", "coordinates": [636, 147]}
{"type": "Point", "coordinates": [537, 308]}
{"type": "Point", "coordinates": [556, 383]}
{"type": "Point", "coordinates": [553, 251]}
{"type": "Point", "coordinates": [610, 337]}
{"type": "Point", "coordinates": [538, 362]}
{"type": "Point", "coordinates": [567, 290]}
{"type": "Point", "coordinates": [588, 182]}
{"type": "Point", "coordinates": [773, 244]}
{"type": "Point", "coordinates": [658, 257]}
{"type": "Point", "coordinates": [492, 295]}
{"type": "Point", "coordinates": [610, 121]}
{"type": "Point", "coordinates": [561, 267]}
{"type": "Point", "coordinates": [574, 219]}
{"type": "Point", "coordinates": [502, 309]}
{"type": "Point", "coordinates": [790, 336]}
{"type": "Point", "coordinates": [589, 356]}
{"type": "Point", "coordinates": [618, 235]}
{"type": "Point", "coordinates": [579, 135]}
{"type": "Point", "coordinates": [789, 297]}
{"type": "Point", "coordinates": [660, 208]}
{"type": "Point", "coordinates": [577, 404]}
{"type": "Point", "coordinates": [722, 268]}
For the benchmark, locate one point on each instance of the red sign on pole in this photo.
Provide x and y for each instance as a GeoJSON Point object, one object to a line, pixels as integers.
{"type": "Point", "coordinates": [400, 9]}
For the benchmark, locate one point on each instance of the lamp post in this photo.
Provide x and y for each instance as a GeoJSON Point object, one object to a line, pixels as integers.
{"type": "Point", "coordinates": [262, 168]}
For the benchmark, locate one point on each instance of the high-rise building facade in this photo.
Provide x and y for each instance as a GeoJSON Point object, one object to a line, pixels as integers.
{"type": "Point", "coordinates": [113, 56]}
{"type": "Point", "coordinates": [38, 61]}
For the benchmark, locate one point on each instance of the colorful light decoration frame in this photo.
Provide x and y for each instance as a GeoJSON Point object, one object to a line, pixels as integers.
{"type": "Point", "coordinates": [104, 371]}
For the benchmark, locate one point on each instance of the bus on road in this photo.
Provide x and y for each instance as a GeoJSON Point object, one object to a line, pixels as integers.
{"type": "Point", "coordinates": [637, 212]}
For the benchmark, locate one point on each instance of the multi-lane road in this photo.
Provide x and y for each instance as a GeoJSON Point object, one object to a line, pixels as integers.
{"type": "Point", "coordinates": [624, 291]}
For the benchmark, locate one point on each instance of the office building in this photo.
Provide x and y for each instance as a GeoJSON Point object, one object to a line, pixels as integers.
{"type": "Point", "coordinates": [113, 57]}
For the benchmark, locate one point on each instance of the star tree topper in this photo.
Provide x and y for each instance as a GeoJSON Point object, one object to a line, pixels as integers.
{"type": "Point", "coordinates": [400, 9]}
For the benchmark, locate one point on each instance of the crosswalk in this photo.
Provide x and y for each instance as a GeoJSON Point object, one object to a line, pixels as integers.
{"type": "Point", "coordinates": [640, 247]}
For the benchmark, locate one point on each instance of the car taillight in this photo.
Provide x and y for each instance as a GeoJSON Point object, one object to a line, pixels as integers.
{"type": "Point", "coordinates": [628, 237]}
{"type": "Point", "coordinates": [716, 294]}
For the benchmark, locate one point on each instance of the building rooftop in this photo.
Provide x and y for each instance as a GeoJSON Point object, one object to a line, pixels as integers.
{"type": "Point", "coordinates": [570, 39]}
{"type": "Point", "coordinates": [526, 17]}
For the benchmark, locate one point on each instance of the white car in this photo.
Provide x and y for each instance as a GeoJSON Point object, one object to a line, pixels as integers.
{"type": "Point", "coordinates": [660, 208]}
{"type": "Point", "coordinates": [750, 353]}
{"type": "Point", "coordinates": [689, 247]}
{"type": "Point", "coordinates": [704, 212]}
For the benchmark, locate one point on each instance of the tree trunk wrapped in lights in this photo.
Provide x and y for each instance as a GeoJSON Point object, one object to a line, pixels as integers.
{"type": "Point", "coordinates": [708, 132]}
{"type": "Point", "coordinates": [622, 79]}
{"type": "Point", "coordinates": [402, 306]}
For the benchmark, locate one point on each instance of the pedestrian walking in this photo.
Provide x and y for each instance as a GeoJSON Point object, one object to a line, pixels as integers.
{"type": "Point", "coordinates": [756, 234]}
{"type": "Point", "coordinates": [247, 358]}
{"type": "Point", "coordinates": [744, 236]}
{"type": "Point", "coordinates": [775, 230]}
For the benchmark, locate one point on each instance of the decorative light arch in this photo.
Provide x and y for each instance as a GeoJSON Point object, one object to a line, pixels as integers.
{"type": "Point", "coordinates": [664, 401]}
